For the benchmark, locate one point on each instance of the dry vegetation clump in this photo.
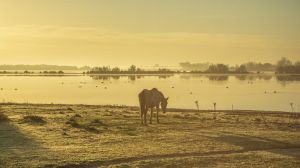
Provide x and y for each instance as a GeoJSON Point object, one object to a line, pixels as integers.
{"type": "Point", "coordinates": [98, 122]}
{"type": "Point", "coordinates": [3, 117]}
{"type": "Point", "coordinates": [258, 120]}
{"type": "Point", "coordinates": [95, 125]}
{"type": "Point", "coordinates": [73, 122]}
{"type": "Point", "coordinates": [70, 109]}
{"type": "Point", "coordinates": [77, 115]}
{"type": "Point", "coordinates": [177, 116]}
{"type": "Point", "coordinates": [33, 119]}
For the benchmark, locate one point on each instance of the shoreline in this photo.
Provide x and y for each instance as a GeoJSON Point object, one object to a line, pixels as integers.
{"type": "Point", "coordinates": [169, 110]}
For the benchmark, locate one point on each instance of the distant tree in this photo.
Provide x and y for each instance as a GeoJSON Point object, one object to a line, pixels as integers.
{"type": "Point", "coordinates": [139, 70]}
{"type": "Point", "coordinates": [212, 68]}
{"type": "Point", "coordinates": [253, 66]}
{"type": "Point", "coordinates": [283, 62]}
{"type": "Point", "coordinates": [286, 66]}
{"type": "Point", "coordinates": [219, 68]}
{"type": "Point", "coordinates": [52, 72]}
{"type": "Point", "coordinates": [132, 68]}
{"type": "Point", "coordinates": [241, 69]}
{"type": "Point", "coordinates": [116, 69]}
{"type": "Point", "coordinates": [222, 68]}
{"type": "Point", "coordinates": [164, 70]}
{"type": "Point", "coordinates": [103, 69]}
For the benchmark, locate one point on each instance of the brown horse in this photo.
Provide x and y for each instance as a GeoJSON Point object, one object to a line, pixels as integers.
{"type": "Point", "coordinates": [150, 99]}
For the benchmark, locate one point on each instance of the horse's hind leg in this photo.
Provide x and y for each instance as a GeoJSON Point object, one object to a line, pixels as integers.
{"type": "Point", "coordinates": [142, 113]}
{"type": "Point", "coordinates": [145, 116]}
{"type": "Point", "coordinates": [151, 115]}
{"type": "Point", "coordinates": [157, 111]}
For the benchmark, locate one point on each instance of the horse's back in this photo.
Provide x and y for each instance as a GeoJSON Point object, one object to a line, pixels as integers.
{"type": "Point", "coordinates": [149, 97]}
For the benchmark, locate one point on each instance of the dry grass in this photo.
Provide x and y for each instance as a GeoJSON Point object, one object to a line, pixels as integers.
{"type": "Point", "coordinates": [3, 117]}
{"type": "Point", "coordinates": [111, 136]}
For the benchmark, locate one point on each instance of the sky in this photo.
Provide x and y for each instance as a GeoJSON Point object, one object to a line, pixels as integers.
{"type": "Point", "coordinates": [148, 32]}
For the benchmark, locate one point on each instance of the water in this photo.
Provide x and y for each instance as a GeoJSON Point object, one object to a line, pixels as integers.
{"type": "Point", "coordinates": [253, 92]}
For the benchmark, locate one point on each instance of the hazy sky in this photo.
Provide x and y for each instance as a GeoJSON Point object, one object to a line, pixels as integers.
{"type": "Point", "coordinates": [145, 32]}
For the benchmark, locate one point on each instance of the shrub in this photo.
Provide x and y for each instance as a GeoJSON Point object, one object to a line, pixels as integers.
{"type": "Point", "coordinates": [33, 119]}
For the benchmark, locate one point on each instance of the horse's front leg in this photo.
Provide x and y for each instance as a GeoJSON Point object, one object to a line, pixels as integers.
{"type": "Point", "coordinates": [157, 111]}
{"type": "Point", "coordinates": [151, 115]}
{"type": "Point", "coordinates": [145, 116]}
{"type": "Point", "coordinates": [142, 113]}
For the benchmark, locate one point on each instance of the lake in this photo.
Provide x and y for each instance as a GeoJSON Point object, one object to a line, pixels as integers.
{"type": "Point", "coordinates": [251, 92]}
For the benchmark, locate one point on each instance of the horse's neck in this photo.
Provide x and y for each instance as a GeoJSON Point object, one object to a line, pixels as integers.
{"type": "Point", "coordinates": [160, 96]}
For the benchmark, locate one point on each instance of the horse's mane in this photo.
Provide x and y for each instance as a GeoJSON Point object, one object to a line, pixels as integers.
{"type": "Point", "coordinates": [159, 92]}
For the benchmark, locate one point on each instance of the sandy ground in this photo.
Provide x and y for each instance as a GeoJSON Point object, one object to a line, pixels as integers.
{"type": "Point", "coordinates": [111, 136]}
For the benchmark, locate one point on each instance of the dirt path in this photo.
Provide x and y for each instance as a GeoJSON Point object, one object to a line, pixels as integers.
{"type": "Point", "coordinates": [95, 164]}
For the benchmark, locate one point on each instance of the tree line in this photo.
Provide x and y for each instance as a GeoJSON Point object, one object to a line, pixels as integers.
{"type": "Point", "coordinates": [282, 66]}
{"type": "Point", "coordinates": [286, 66]}
{"type": "Point", "coordinates": [42, 67]}
{"type": "Point", "coordinates": [131, 70]}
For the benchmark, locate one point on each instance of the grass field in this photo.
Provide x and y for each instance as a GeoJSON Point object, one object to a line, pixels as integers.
{"type": "Point", "coordinates": [36, 135]}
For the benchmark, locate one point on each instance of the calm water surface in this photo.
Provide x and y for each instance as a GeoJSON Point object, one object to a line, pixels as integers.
{"type": "Point", "coordinates": [264, 92]}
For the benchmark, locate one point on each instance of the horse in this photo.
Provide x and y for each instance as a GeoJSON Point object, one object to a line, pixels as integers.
{"type": "Point", "coordinates": [150, 99]}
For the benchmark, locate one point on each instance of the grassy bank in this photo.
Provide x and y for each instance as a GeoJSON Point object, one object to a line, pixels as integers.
{"type": "Point", "coordinates": [35, 135]}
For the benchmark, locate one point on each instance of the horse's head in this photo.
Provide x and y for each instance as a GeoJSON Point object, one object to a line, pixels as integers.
{"type": "Point", "coordinates": [164, 104]}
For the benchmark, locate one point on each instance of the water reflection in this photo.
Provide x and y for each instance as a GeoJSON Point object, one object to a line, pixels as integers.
{"type": "Point", "coordinates": [267, 92]}
{"type": "Point", "coordinates": [283, 79]}
{"type": "Point", "coordinates": [253, 77]}
{"type": "Point", "coordinates": [287, 79]}
{"type": "Point", "coordinates": [217, 78]}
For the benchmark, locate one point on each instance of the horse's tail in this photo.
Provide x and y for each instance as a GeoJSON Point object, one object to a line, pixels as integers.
{"type": "Point", "coordinates": [142, 101]}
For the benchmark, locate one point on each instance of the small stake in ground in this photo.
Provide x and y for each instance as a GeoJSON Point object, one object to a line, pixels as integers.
{"type": "Point", "coordinates": [292, 106]}
{"type": "Point", "coordinates": [215, 106]}
{"type": "Point", "coordinates": [197, 105]}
